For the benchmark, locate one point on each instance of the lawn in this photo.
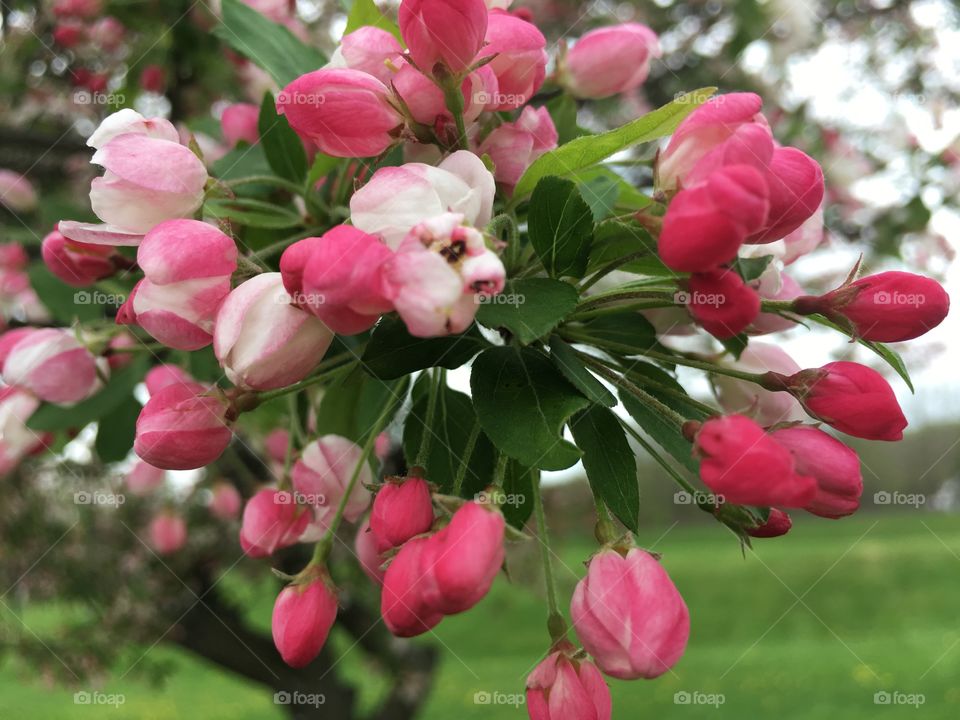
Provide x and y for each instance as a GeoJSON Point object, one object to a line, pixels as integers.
{"type": "Point", "coordinates": [811, 626]}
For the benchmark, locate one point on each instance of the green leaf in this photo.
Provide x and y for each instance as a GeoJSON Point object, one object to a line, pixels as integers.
{"type": "Point", "coordinates": [453, 422]}
{"type": "Point", "coordinates": [601, 194]}
{"type": "Point", "coordinates": [255, 213]}
{"type": "Point", "coordinates": [243, 161]}
{"type": "Point", "coordinates": [566, 360]}
{"type": "Point", "coordinates": [522, 402]}
{"type": "Point", "coordinates": [365, 12]}
{"type": "Point", "coordinates": [664, 432]}
{"type": "Point", "coordinates": [64, 302]}
{"type": "Point", "coordinates": [610, 463]}
{"type": "Point", "coordinates": [891, 357]}
{"type": "Point", "coordinates": [393, 352]}
{"type": "Point", "coordinates": [529, 308]}
{"type": "Point", "coordinates": [518, 488]}
{"type": "Point", "coordinates": [736, 344]}
{"type": "Point", "coordinates": [567, 160]}
{"type": "Point", "coordinates": [613, 239]}
{"type": "Point", "coordinates": [560, 227]}
{"type": "Point", "coordinates": [752, 268]}
{"type": "Point", "coordinates": [563, 112]}
{"type": "Point", "coordinates": [119, 389]}
{"type": "Point", "coordinates": [351, 406]}
{"type": "Point", "coordinates": [323, 165]}
{"type": "Point", "coordinates": [267, 44]}
{"type": "Point", "coordinates": [665, 388]}
{"type": "Point", "coordinates": [629, 333]}
{"type": "Point", "coordinates": [117, 431]}
{"type": "Point", "coordinates": [282, 146]}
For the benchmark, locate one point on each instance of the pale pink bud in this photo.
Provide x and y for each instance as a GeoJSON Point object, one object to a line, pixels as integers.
{"type": "Point", "coordinates": [16, 439]}
{"type": "Point", "coordinates": [365, 547]}
{"type": "Point", "coordinates": [53, 365]}
{"type": "Point", "coordinates": [130, 122]}
{"type": "Point", "coordinates": [402, 605]}
{"type": "Point", "coordinates": [225, 503]}
{"type": "Point", "coordinates": [272, 520]}
{"type": "Point", "coordinates": [611, 60]}
{"type": "Point", "coordinates": [107, 33]}
{"type": "Point", "coordinates": [262, 341]}
{"type": "Point", "coordinates": [12, 255]}
{"type": "Point", "coordinates": [160, 376]}
{"type": "Point", "coordinates": [347, 113]}
{"type": "Point", "coordinates": [182, 428]}
{"type": "Point", "coordinates": [520, 59]}
{"type": "Point", "coordinates": [168, 533]}
{"type": "Point", "coordinates": [187, 267]}
{"type": "Point", "coordinates": [77, 264]}
{"type": "Point", "coordinates": [368, 49]}
{"type": "Point", "coordinates": [402, 508]}
{"type": "Point", "coordinates": [321, 477]}
{"type": "Point", "coordinates": [302, 617]}
{"type": "Point", "coordinates": [834, 466]}
{"type": "Point", "coordinates": [564, 688]}
{"type": "Point", "coordinates": [276, 444]}
{"type": "Point", "coordinates": [461, 561]}
{"type": "Point", "coordinates": [239, 122]}
{"type": "Point", "coordinates": [629, 615]}
{"type": "Point", "coordinates": [514, 146]}
{"type": "Point", "coordinates": [382, 445]}
{"type": "Point", "coordinates": [750, 399]}
{"type": "Point", "coordinates": [144, 478]}
{"type": "Point", "coordinates": [447, 32]}
{"type": "Point", "coordinates": [398, 198]}
{"type": "Point", "coordinates": [16, 192]}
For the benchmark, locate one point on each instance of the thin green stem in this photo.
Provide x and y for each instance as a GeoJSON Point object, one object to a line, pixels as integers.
{"type": "Point", "coordinates": [436, 387]}
{"type": "Point", "coordinates": [465, 458]}
{"type": "Point", "coordinates": [293, 187]}
{"type": "Point", "coordinates": [705, 366]}
{"type": "Point", "coordinates": [641, 395]}
{"type": "Point", "coordinates": [324, 371]}
{"type": "Point", "coordinates": [661, 461]}
{"type": "Point", "coordinates": [281, 245]}
{"type": "Point", "coordinates": [610, 267]}
{"type": "Point", "coordinates": [621, 295]}
{"type": "Point", "coordinates": [625, 307]}
{"type": "Point", "coordinates": [555, 622]}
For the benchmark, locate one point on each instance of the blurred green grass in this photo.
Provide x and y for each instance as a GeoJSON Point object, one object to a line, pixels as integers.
{"type": "Point", "coordinates": [809, 626]}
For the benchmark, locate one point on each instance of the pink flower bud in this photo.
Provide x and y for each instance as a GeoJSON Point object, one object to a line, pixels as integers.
{"type": "Point", "coordinates": [745, 466]}
{"type": "Point", "coordinates": [834, 466]}
{"type": "Point", "coordinates": [629, 615]}
{"type": "Point", "coordinates": [365, 547]}
{"type": "Point", "coordinates": [888, 307]}
{"type": "Point", "coordinates": [107, 33]}
{"type": "Point", "coordinates": [144, 478]}
{"type": "Point", "coordinates": [225, 502]}
{"type": "Point", "coordinates": [321, 477]}
{"type": "Point", "coordinates": [76, 264]}
{"type": "Point", "coordinates": [796, 192]}
{"type": "Point", "coordinates": [347, 113]}
{"type": "Point", "coordinates": [302, 618]}
{"type": "Point", "coordinates": [705, 225]}
{"type": "Point", "coordinates": [187, 266]}
{"type": "Point", "coordinates": [402, 605]}
{"type": "Point", "coordinates": [520, 59]}
{"type": "Point", "coordinates": [398, 198]}
{"type": "Point", "coordinates": [239, 122]}
{"type": "Point", "coordinates": [116, 357]}
{"type": "Point", "coordinates": [262, 341]}
{"type": "Point", "coordinates": [368, 49]}
{"type": "Point", "coordinates": [77, 8]}
{"type": "Point", "coordinates": [16, 192]}
{"type": "Point", "coordinates": [852, 398]}
{"type": "Point", "coordinates": [182, 428]}
{"type": "Point", "coordinates": [722, 303]}
{"type": "Point", "coordinates": [339, 278]}
{"type": "Point", "coordinates": [168, 533]}
{"type": "Point", "coordinates": [160, 376]}
{"type": "Point", "coordinates": [276, 444]}
{"type": "Point", "coordinates": [382, 445]}
{"type": "Point", "coordinates": [153, 78]}
{"type": "Point", "coordinates": [611, 60]}
{"type": "Point", "coordinates": [447, 32]}
{"type": "Point", "coordinates": [272, 520]}
{"type": "Point", "coordinates": [748, 398]}
{"type": "Point", "coordinates": [461, 561]}
{"type": "Point", "coordinates": [16, 439]}
{"type": "Point", "coordinates": [53, 365]}
{"type": "Point", "coordinates": [130, 122]}
{"type": "Point", "coordinates": [777, 524]}
{"type": "Point", "coordinates": [563, 688]}
{"type": "Point", "coordinates": [12, 255]}
{"type": "Point", "coordinates": [401, 509]}
{"type": "Point", "coordinates": [69, 33]}
{"type": "Point", "coordinates": [514, 146]}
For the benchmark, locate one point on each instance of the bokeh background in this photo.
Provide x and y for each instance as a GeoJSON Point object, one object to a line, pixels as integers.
{"type": "Point", "coordinates": [852, 619]}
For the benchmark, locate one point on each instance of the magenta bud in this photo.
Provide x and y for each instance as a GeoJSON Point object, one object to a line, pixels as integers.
{"type": "Point", "coordinates": [563, 688]}
{"type": "Point", "coordinates": [778, 523]}
{"type": "Point", "coordinates": [302, 617]}
{"type": "Point", "coordinates": [400, 511]}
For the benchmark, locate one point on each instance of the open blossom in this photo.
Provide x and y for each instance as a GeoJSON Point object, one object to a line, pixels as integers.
{"type": "Point", "coordinates": [398, 198]}
{"type": "Point", "coordinates": [563, 687]}
{"type": "Point", "coordinates": [722, 303]}
{"type": "Point", "coordinates": [187, 266]}
{"type": "Point", "coordinates": [53, 365]}
{"type": "Point", "coordinates": [611, 60]}
{"type": "Point", "coordinates": [445, 32]}
{"type": "Point", "coordinates": [240, 122]}
{"type": "Point", "coordinates": [748, 398]}
{"type": "Point", "coordinates": [262, 340]}
{"type": "Point", "coordinates": [150, 177]}
{"type": "Point", "coordinates": [629, 615]}
{"type": "Point", "coordinates": [519, 59]}
{"type": "Point", "coordinates": [347, 113]}
{"type": "Point", "coordinates": [368, 49]}
{"type": "Point", "coordinates": [339, 278]}
{"type": "Point", "coordinates": [167, 532]}
{"type": "Point", "coordinates": [887, 307]}
{"type": "Point", "coordinates": [514, 146]}
{"type": "Point", "coordinates": [302, 617]}
{"type": "Point", "coordinates": [402, 508]}
{"type": "Point", "coordinates": [834, 466]}
{"type": "Point", "coordinates": [272, 520]}
{"type": "Point", "coordinates": [77, 264]}
{"type": "Point", "coordinates": [16, 192]}
{"type": "Point", "coordinates": [744, 465]}
{"type": "Point", "coordinates": [182, 427]}
{"type": "Point", "coordinates": [321, 477]}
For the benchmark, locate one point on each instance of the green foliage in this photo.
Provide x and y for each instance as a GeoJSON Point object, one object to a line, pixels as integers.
{"type": "Point", "coordinates": [393, 352]}
{"type": "Point", "coordinates": [365, 12]}
{"type": "Point", "coordinates": [561, 227]}
{"type": "Point", "coordinates": [281, 145]}
{"type": "Point", "coordinates": [529, 308]}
